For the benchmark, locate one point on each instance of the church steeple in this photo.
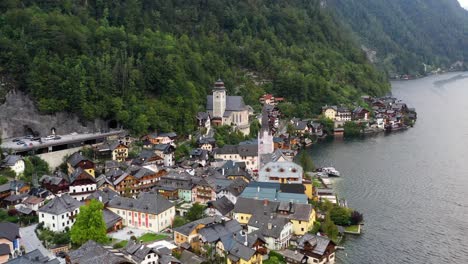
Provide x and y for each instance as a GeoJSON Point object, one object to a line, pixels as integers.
{"type": "Point", "coordinates": [219, 98]}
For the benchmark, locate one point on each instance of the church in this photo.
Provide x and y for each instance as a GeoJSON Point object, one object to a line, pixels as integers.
{"type": "Point", "coordinates": [227, 110]}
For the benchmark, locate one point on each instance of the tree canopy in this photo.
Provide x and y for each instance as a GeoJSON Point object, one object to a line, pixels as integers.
{"type": "Point", "coordinates": [149, 64]}
{"type": "Point", "coordinates": [89, 225]}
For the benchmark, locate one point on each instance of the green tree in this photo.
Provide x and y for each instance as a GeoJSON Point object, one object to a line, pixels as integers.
{"type": "Point", "coordinates": [3, 180]}
{"type": "Point", "coordinates": [178, 221]}
{"type": "Point", "coordinates": [329, 228]}
{"type": "Point", "coordinates": [305, 160]}
{"type": "Point", "coordinates": [340, 215]}
{"type": "Point", "coordinates": [89, 224]}
{"type": "Point", "coordinates": [254, 128]}
{"type": "Point", "coordinates": [34, 165]}
{"type": "Point", "coordinates": [197, 211]}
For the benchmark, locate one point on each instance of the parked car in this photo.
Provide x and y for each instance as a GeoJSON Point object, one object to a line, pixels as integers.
{"type": "Point", "coordinates": [29, 137]}
{"type": "Point", "coordinates": [57, 137]}
{"type": "Point", "coordinates": [16, 140]}
{"type": "Point", "coordinates": [49, 137]}
{"type": "Point", "coordinates": [36, 138]}
{"type": "Point", "coordinates": [20, 143]}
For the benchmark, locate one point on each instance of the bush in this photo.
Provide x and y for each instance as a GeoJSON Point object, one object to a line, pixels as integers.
{"type": "Point", "coordinates": [356, 218]}
{"type": "Point", "coordinates": [340, 215]}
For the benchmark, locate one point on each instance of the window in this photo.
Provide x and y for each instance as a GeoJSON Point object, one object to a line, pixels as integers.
{"type": "Point", "coordinates": [300, 222]}
{"type": "Point", "coordinates": [42, 215]}
{"type": "Point", "coordinates": [302, 229]}
{"type": "Point", "coordinates": [53, 225]}
{"type": "Point", "coordinates": [63, 224]}
{"type": "Point", "coordinates": [53, 217]}
{"type": "Point", "coordinates": [63, 216]}
{"type": "Point", "coordinates": [242, 218]}
{"type": "Point", "coordinates": [129, 213]}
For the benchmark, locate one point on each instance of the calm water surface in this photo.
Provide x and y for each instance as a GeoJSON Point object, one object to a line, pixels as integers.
{"type": "Point", "coordinates": [411, 186]}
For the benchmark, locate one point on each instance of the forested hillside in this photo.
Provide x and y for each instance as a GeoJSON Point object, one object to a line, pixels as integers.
{"type": "Point", "coordinates": [408, 33]}
{"type": "Point", "coordinates": [150, 63]}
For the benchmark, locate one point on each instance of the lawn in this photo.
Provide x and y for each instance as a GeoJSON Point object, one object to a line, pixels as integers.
{"type": "Point", "coordinates": [149, 237]}
{"type": "Point", "coordinates": [120, 244]}
{"type": "Point", "coordinates": [352, 228]}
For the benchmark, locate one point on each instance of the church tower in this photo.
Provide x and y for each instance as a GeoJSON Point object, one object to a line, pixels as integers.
{"type": "Point", "coordinates": [265, 139]}
{"type": "Point", "coordinates": [219, 99]}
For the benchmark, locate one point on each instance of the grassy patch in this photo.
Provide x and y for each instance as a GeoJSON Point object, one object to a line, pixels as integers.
{"type": "Point", "coordinates": [352, 228]}
{"type": "Point", "coordinates": [148, 237]}
{"type": "Point", "coordinates": [120, 244]}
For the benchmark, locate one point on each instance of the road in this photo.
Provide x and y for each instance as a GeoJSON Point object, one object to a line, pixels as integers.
{"type": "Point", "coordinates": [31, 242]}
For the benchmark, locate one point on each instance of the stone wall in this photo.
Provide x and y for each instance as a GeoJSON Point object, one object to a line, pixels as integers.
{"type": "Point", "coordinates": [19, 116]}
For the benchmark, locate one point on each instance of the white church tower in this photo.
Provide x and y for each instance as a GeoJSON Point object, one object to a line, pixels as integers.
{"type": "Point", "coordinates": [219, 99]}
{"type": "Point", "coordinates": [265, 139]}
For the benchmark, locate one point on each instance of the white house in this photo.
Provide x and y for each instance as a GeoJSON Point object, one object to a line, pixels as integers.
{"type": "Point", "coordinates": [149, 211]}
{"type": "Point", "coordinates": [281, 172]}
{"type": "Point", "coordinates": [247, 153]}
{"type": "Point", "coordinates": [277, 231]}
{"type": "Point", "coordinates": [15, 163]}
{"type": "Point", "coordinates": [59, 213]}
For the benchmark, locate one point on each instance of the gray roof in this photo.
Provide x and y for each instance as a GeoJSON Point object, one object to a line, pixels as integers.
{"type": "Point", "coordinates": [59, 205]}
{"type": "Point", "coordinates": [296, 211]}
{"type": "Point", "coordinates": [148, 202]}
{"type": "Point", "coordinates": [4, 249]}
{"type": "Point", "coordinates": [242, 150]}
{"type": "Point", "coordinates": [94, 253]}
{"type": "Point", "coordinates": [33, 257]}
{"type": "Point", "coordinates": [104, 195]}
{"type": "Point", "coordinates": [76, 158]}
{"type": "Point", "coordinates": [293, 255]}
{"type": "Point", "coordinates": [214, 232]}
{"type": "Point", "coordinates": [269, 225]}
{"type": "Point", "coordinates": [320, 243]}
{"type": "Point", "coordinates": [223, 205]}
{"type": "Point", "coordinates": [188, 257]}
{"type": "Point", "coordinates": [9, 231]}
{"type": "Point", "coordinates": [53, 180]}
{"type": "Point", "coordinates": [11, 160]}
{"type": "Point", "coordinates": [233, 103]}
{"type": "Point", "coordinates": [138, 251]}
{"type": "Point", "coordinates": [189, 227]}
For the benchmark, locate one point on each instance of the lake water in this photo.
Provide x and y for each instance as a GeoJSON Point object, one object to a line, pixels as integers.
{"type": "Point", "coordinates": [411, 186]}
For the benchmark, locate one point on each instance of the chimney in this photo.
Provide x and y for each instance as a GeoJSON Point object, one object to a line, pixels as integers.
{"type": "Point", "coordinates": [246, 242]}
{"type": "Point", "coordinates": [265, 202]}
{"type": "Point", "coordinates": [100, 198]}
{"type": "Point", "coordinates": [269, 226]}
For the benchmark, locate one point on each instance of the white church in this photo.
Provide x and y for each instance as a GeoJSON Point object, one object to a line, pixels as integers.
{"type": "Point", "coordinates": [227, 110]}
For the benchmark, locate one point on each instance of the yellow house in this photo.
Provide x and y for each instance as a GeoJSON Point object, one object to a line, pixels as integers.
{"type": "Point", "coordinates": [188, 233]}
{"type": "Point", "coordinates": [329, 112]}
{"type": "Point", "coordinates": [76, 160]}
{"type": "Point", "coordinates": [302, 216]}
{"type": "Point", "coordinates": [309, 188]}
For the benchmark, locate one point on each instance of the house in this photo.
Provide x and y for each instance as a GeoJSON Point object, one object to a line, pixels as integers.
{"type": "Point", "coordinates": [162, 138]}
{"type": "Point", "coordinates": [33, 257]}
{"type": "Point", "coordinates": [204, 190]}
{"type": "Point", "coordinates": [76, 160]}
{"type": "Point", "coordinates": [247, 153]}
{"type": "Point", "coordinates": [189, 257]}
{"type": "Point", "coordinates": [112, 220]}
{"type": "Point", "coordinates": [114, 150]}
{"type": "Point", "coordinates": [301, 216]}
{"type": "Point", "coordinates": [343, 114]}
{"type": "Point", "coordinates": [281, 172]}
{"type": "Point", "coordinates": [137, 179]}
{"type": "Point", "coordinates": [317, 129]}
{"type": "Point", "coordinates": [179, 181]}
{"type": "Point", "coordinates": [360, 113]}
{"type": "Point", "coordinates": [188, 235]}
{"type": "Point", "coordinates": [207, 143]}
{"type": "Point", "coordinates": [56, 184]}
{"type": "Point", "coordinates": [18, 188]}
{"type": "Point", "coordinates": [104, 196]}
{"type": "Point", "coordinates": [273, 191]}
{"type": "Point", "coordinates": [277, 231]}
{"type": "Point", "coordinates": [92, 252]}
{"type": "Point", "coordinates": [15, 163]}
{"type": "Point", "coordinates": [59, 213]}
{"type": "Point", "coordinates": [9, 241]}
{"type": "Point", "coordinates": [149, 211]}
{"type": "Point", "coordinates": [81, 184]}
{"type": "Point", "coordinates": [269, 99]}
{"type": "Point", "coordinates": [317, 249]}
{"type": "Point", "coordinates": [300, 127]}
{"type": "Point", "coordinates": [147, 157]}
{"type": "Point", "coordinates": [232, 190]}
{"type": "Point", "coordinates": [144, 254]}
{"type": "Point", "coordinates": [199, 156]}
{"type": "Point", "coordinates": [227, 110]}
{"type": "Point", "coordinates": [166, 152]}
{"type": "Point", "coordinates": [329, 112]}
{"type": "Point", "coordinates": [33, 202]}
{"type": "Point", "coordinates": [293, 257]}
{"type": "Point", "coordinates": [220, 207]}
{"type": "Point", "coordinates": [203, 120]}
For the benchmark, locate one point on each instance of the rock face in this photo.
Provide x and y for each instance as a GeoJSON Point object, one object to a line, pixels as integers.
{"type": "Point", "coordinates": [19, 116]}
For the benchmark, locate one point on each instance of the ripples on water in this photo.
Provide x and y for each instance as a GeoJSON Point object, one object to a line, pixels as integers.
{"type": "Point", "coordinates": [411, 186]}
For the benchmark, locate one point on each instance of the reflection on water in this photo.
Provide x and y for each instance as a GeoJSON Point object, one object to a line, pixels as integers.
{"type": "Point", "coordinates": [412, 186]}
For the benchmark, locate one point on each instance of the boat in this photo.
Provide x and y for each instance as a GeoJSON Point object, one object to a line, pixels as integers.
{"type": "Point", "coordinates": [332, 172]}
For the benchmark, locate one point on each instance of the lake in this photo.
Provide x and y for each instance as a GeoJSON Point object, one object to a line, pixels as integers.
{"type": "Point", "coordinates": [411, 186]}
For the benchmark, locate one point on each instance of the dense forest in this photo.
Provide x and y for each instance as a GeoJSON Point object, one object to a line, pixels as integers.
{"type": "Point", "coordinates": [408, 33]}
{"type": "Point", "coordinates": [150, 63]}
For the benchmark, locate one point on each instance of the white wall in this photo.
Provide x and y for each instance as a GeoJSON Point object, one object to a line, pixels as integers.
{"type": "Point", "coordinates": [57, 223]}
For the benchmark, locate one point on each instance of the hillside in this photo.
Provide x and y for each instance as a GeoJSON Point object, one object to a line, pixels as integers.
{"type": "Point", "coordinates": [405, 34]}
{"type": "Point", "coordinates": [150, 63]}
